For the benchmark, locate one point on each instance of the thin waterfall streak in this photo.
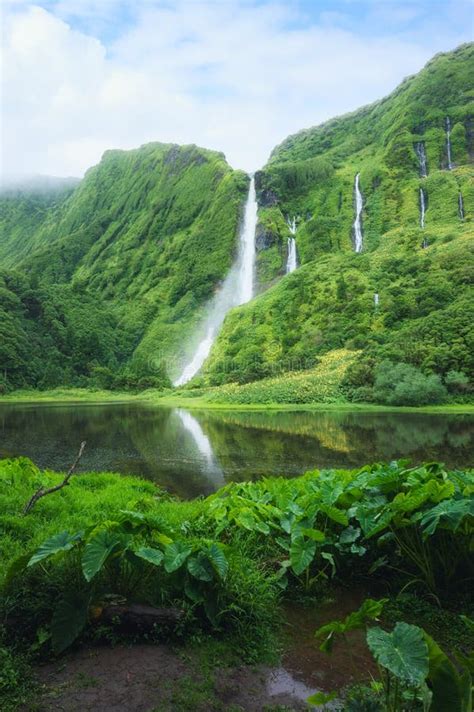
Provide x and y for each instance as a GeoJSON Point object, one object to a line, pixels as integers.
{"type": "Point", "coordinates": [422, 207]}
{"type": "Point", "coordinates": [237, 289]}
{"type": "Point", "coordinates": [357, 226]}
{"type": "Point", "coordinates": [460, 206]}
{"type": "Point", "coordinates": [448, 143]}
{"type": "Point", "coordinates": [292, 257]}
{"type": "Point", "coordinates": [421, 153]}
{"type": "Point", "coordinates": [291, 262]}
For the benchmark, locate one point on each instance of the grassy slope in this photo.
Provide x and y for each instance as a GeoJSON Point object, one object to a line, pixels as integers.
{"type": "Point", "coordinates": [127, 262]}
{"type": "Point", "coordinates": [425, 313]}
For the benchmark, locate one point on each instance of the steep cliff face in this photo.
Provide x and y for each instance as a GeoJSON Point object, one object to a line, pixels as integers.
{"type": "Point", "coordinates": [406, 295]}
{"type": "Point", "coordinates": [148, 235]}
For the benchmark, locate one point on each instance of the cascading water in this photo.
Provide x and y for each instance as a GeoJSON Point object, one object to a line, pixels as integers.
{"type": "Point", "coordinates": [422, 207]}
{"type": "Point", "coordinates": [376, 299]}
{"type": "Point", "coordinates": [448, 143]}
{"type": "Point", "coordinates": [420, 152]}
{"type": "Point", "coordinates": [357, 226]}
{"type": "Point", "coordinates": [236, 289]}
{"type": "Point", "coordinates": [292, 259]}
{"type": "Point", "coordinates": [247, 242]}
{"type": "Point", "coordinates": [461, 206]}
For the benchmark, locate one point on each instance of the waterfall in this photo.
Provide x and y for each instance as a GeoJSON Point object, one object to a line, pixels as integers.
{"type": "Point", "coordinates": [291, 225]}
{"type": "Point", "coordinates": [247, 242]}
{"type": "Point", "coordinates": [420, 152]}
{"type": "Point", "coordinates": [357, 226]}
{"type": "Point", "coordinates": [291, 262]}
{"type": "Point", "coordinates": [376, 299]}
{"type": "Point", "coordinates": [422, 207]}
{"type": "Point", "coordinates": [292, 259]}
{"type": "Point", "coordinates": [461, 206]}
{"type": "Point", "coordinates": [236, 289]}
{"type": "Point", "coordinates": [448, 143]}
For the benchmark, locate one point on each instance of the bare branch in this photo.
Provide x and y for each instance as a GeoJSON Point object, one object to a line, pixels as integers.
{"type": "Point", "coordinates": [43, 492]}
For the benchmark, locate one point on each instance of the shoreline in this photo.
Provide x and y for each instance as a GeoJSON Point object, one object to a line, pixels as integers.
{"type": "Point", "coordinates": [149, 398]}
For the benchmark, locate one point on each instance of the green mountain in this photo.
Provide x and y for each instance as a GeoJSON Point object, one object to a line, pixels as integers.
{"type": "Point", "coordinates": [422, 276]}
{"type": "Point", "coordinates": [105, 282]}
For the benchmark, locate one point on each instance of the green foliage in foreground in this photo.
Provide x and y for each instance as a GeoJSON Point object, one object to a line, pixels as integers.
{"type": "Point", "coordinates": [226, 558]}
{"type": "Point", "coordinates": [415, 673]}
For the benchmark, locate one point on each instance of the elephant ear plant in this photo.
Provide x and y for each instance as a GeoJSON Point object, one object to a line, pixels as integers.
{"type": "Point", "coordinates": [415, 673]}
{"type": "Point", "coordinates": [129, 560]}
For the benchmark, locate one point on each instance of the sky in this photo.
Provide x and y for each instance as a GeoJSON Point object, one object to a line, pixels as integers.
{"type": "Point", "coordinates": [81, 76]}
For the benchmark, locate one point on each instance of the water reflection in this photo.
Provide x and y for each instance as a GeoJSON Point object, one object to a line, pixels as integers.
{"type": "Point", "coordinates": [195, 453]}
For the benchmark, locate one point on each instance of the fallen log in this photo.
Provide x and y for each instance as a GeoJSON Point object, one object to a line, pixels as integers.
{"type": "Point", "coordinates": [139, 618]}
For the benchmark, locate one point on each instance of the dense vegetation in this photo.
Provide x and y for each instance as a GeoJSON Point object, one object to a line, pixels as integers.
{"type": "Point", "coordinates": [226, 561]}
{"type": "Point", "coordinates": [103, 284]}
{"type": "Point", "coordinates": [423, 276]}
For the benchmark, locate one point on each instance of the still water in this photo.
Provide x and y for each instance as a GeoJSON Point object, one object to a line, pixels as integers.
{"type": "Point", "coordinates": [195, 452]}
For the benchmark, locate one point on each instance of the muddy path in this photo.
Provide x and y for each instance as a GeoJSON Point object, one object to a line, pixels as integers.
{"type": "Point", "coordinates": [162, 678]}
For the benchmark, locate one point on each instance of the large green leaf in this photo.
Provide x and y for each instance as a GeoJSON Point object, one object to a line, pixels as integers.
{"type": "Point", "coordinates": [301, 554]}
{"type": "Point", "coordinates": [450, 691]}
{"type": "Point", "coordinates": [59, 542]}
{"type": "Point", "coordinates": [200, 567]}
{"type": "Point", "coordinates": [97, 550]}
{"type": "Point", "coordinates": [218, 560]}
{"type": "Point", "coordinates": [448, 514]}
{"type": "Point", "coordinates": [153, 556]}
{"type": "Point", "coordinates": [403, 652]}
{"type": "Point", "coordinates": [69, 619]}
{"type": "Point", "coordinates": [175, 555]}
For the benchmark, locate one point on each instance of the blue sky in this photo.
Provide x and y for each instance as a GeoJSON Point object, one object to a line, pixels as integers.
{"type": "Point", "coordinates": [81, 76]}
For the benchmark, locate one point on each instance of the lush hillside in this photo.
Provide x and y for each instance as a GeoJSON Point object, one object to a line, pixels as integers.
{"type": "Point", "coordinates": [24, 208]}
{"type": "Point", "coordinates": [110, 278]}
{"type": "Point", "coordinates": [422, 276]}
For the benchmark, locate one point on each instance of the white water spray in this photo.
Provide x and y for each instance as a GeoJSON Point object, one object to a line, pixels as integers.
{"type": "Point", "coordinates": [461, 206]}
{"type": "Point", "coordinates": [247, 247]}
{"type": "Point", "coordinates": [357, 226]}
{"type": "Point", "coordinates": [292, 259]}
{"type": "Point", "coordinates": [422, 207]}
{"type": "Point", "coordinates": [420, 152]}
{"type": "Point", "coordinates": [448, 143]}
{"type": "Point", "coordinates": [236, 289]}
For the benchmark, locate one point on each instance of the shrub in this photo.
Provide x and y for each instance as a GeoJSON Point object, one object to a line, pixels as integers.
{"type": "Point", "coordinates": [403, 384]}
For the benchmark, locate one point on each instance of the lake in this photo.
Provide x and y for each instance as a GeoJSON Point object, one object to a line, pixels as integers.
{"type": "Point", "coordinates": [195, 452]}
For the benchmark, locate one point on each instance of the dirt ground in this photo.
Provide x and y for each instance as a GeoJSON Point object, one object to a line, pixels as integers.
{"type": "Point", "coordinates": [155, 678]}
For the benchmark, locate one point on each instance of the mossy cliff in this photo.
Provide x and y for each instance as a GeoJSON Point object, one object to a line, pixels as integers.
{"type": "Point", "coordinates": [423, 311]}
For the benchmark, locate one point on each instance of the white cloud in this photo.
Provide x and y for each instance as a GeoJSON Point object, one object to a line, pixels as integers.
{"type": "Point", "coordinates": [232, 76]}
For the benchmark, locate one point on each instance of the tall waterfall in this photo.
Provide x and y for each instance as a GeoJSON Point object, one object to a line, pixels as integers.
{"type": "Point", "coordinates": [420, 152]}
{"type": "Point", "coordinates": [448, 143]}
{"type": "Point", "coordinates": [357, 226]}
{"type": "Point", "coordinates": [236, 289]}
{"type": "Point", "coordinates": [292, 259]}
{"type": "Point", "coordinates": [247, 247]}
{"type": "Point", "coordinates": [422, 207]}
{"type": "Point", "coordinates": [461, 206]}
